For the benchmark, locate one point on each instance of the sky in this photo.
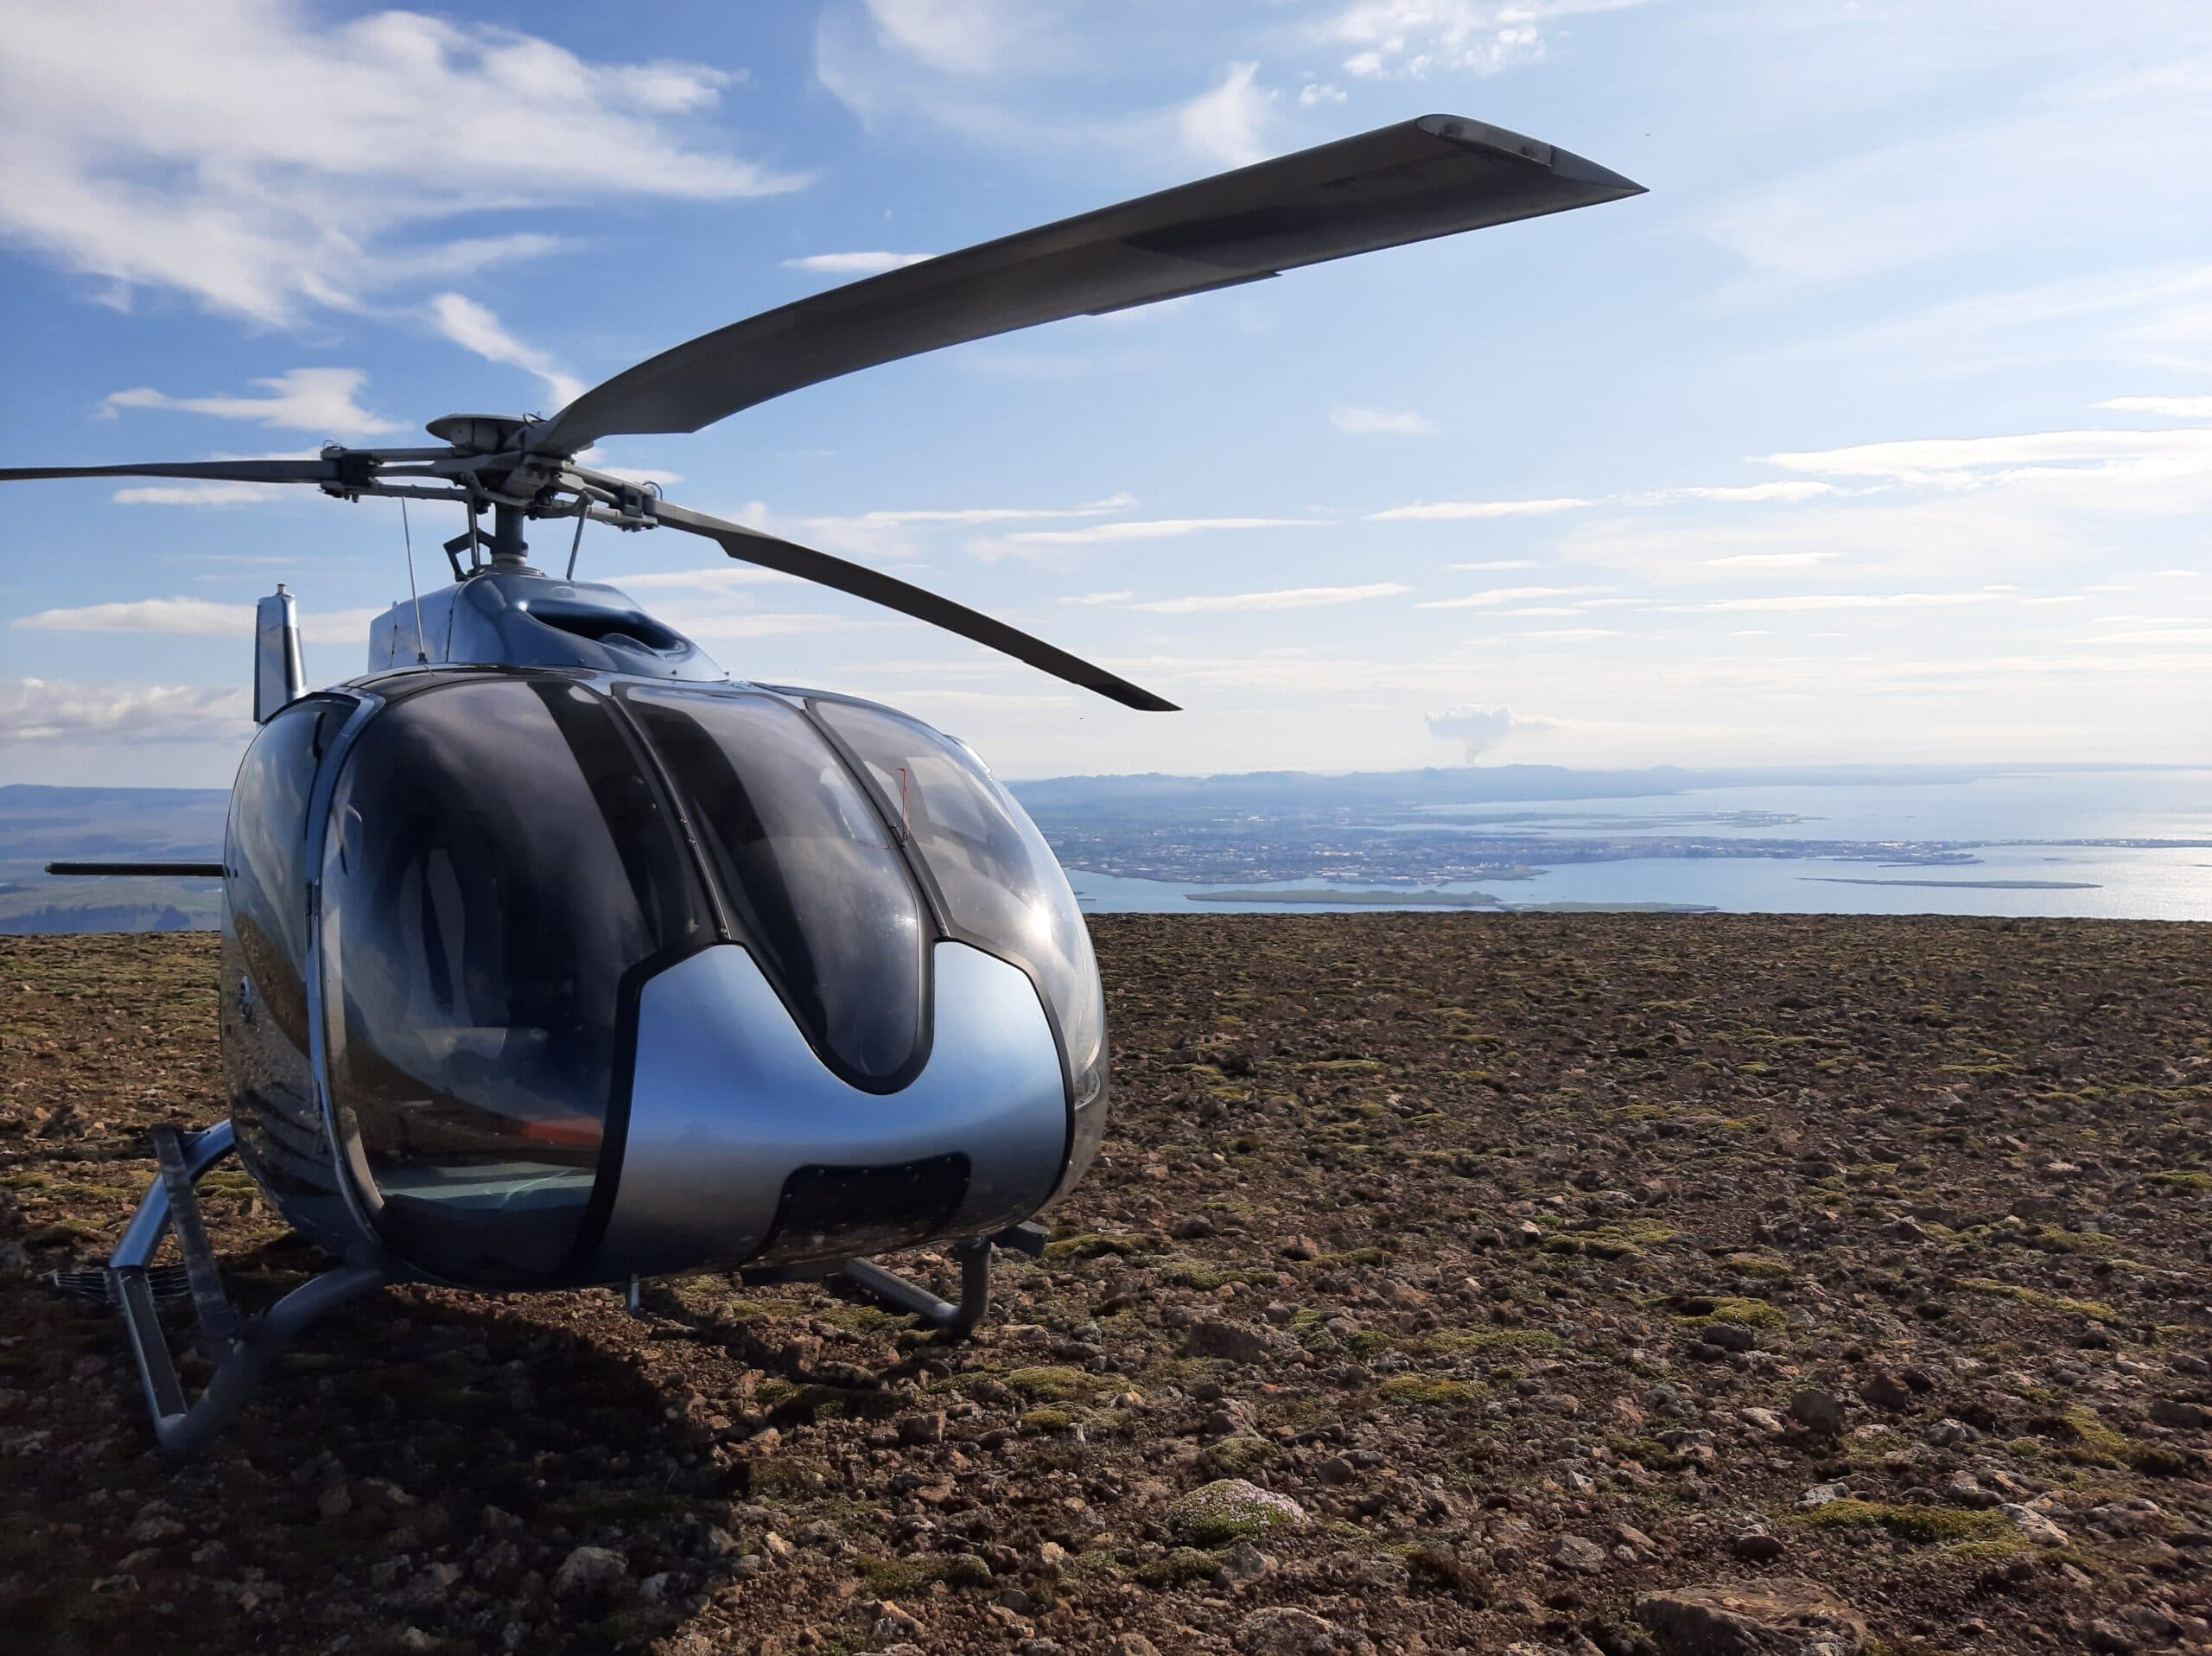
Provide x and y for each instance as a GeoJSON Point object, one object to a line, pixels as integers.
{"type": "Point", "coordinates": [1879, 430]}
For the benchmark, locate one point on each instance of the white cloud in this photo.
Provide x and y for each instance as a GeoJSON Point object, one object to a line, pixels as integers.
{"type": "Point", "coordinates": [1794, 489]}
{"type": "Point", "coordinates": [1317, 94]}
{"type": "Point", "coordinates": [1497, 563]}
{"type": "Point", "coordinates": [2171, 408]}
{"type": "Point", "coordinates": [1989, 184]}
{"type": "Point", "coordinates": [1098, 598]}
{"type": "Point", "coordinates": [1478, 729]}
{"type": "Point", "coordinates": [193, 618]}
{"type": "Point", "coordinates": [321, 400]}
{"type": "Point", "coordinates": [1142, 529]}
{"type": "Point", "coordinates": [269, 162]}
{"type": "Point", "coordinates": [211, 494]}
{"type": "Point", "coordinates": [1505, 596]}
{"type": "Point", "coordinates": [1768, 560]}
{"type": "Point", "coordinates": [1449, 510]}
{"type": "Point", "coordinates": [887, 534]}
{"type": "Point", "coordinates": [1372, 422]}
{"type": "Point", "coordinates": [1295, 598]}
{"type": "Point", "coordinates": [1954, 461]}
{"type": "Point", "coordinates": [855, 263]}
{"type": "Point", "coordinates": [1224, 125]}
{"type": "Point", "coordinates": [964, 36]}
{"type": "Point", "coordinates": [1416, 38]}
{"type": "Point", "coordinates": [37, 710]}
{"type": "Point", "coordinates": [1823, 601]}
{"type": "Point", "coordinates": [473, 327]}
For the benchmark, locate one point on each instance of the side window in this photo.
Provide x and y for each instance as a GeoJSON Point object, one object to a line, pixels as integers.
{"type": "Point", "coordinates": [265, 851]}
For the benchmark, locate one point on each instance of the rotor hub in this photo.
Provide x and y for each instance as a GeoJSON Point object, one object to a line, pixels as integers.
{"type": "Point", "coordinates": [483, 434]}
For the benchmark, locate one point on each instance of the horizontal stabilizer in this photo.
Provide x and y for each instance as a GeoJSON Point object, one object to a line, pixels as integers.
{"type": "Point", "coordinates": [167, 870]}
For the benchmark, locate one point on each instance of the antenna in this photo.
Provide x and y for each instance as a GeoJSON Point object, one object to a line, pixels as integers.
{"type": "Point", "coordinates": [422, 649]}
{"type": "Point", "coordinates": [583, 510]}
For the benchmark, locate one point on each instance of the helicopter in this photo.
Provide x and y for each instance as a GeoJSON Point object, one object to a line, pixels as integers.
{"type": "Point", "coordinates": [554, 956]}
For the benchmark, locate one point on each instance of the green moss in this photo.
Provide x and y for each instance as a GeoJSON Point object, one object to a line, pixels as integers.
{"type": "Point", "coordinates": [1918, 1524]}
{"type": "Point", "coordinates": [1355, 1257]}
{"type": "Point", "coordinates": [1056, 1384]}
{"type": "Point", "coordinates": [2041, 1301]}
{"type": "Point", "coordinates": [1428, 1392]}
{"type": "Point", "coordinates": [1744, 1313]}
{"type": "Point", "coordinates": [1228, 1510]}
{"type": "Point", "coordinates": [1344, 1066]}
{"type": "Point", "coordinates": [2183, 1179]}
{"type": "Point", "coordinates": [1453, 1342]}
{"type": "Point", "coordinates": [1042, 1421]}
{"type": "Point", "coordinates": [1233, 1456]}
{"type": "Point", "coordinates": [1178, 1568]}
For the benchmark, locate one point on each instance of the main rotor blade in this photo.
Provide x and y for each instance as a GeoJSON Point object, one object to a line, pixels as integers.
{"type": "Point", "coordinates": [751, 546]}
{"type": "Point", "coordinates": [1435, 176]}
{"type": "Point", "coordinates": [226, 471]}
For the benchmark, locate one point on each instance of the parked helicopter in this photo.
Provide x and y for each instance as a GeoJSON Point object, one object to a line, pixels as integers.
{"type": "Point", "coordinates": [552, 955]}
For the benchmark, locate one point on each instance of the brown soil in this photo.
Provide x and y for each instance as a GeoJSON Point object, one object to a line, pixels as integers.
{"type": "Point", "coordinates": [1546, 1263]}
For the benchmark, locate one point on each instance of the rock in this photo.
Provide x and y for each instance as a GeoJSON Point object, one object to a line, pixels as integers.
{"type": "Point", "coordinates": [590, 1570]}
{"type": "Point", "coordinates": [922, 1429]}
{"type": "Point", "coordinates": [1231, 1509]}
{"type": "Point", "coordinates": [1728, 1336]}
{"type": "Point", "coordinates": [1818, 1412]}
{"type": "Point", "coordinates": [1885, 1391]}
{"type": "Point", "coordinates": [1783, 1616]}
{"type": "Point", "coordinates": [1243, 1565]}
{"type": "Point", "coordinates": [1580, 1554]}
{"type": "Point", "coordinates": [1233, 1341]}
{"type": "Point", "coordinates": [2182, 1416]}
{"type": "Point", "coordinates": [1131, 1644]}
{"type": "Point", "coordinates": [1301, 1248]}
{"type": "Point", "coordinates": [1280, 1631]}
{"type": "Point", "coordinates": [1763, 1420]}
{"type": "Point", "coordinates": [2033, 1525]}
{"type": "Point", "coordinates": [1627, 1535]}
{"type": "Point", "coordinates": [1756, 1546]}
{"type": "Point", "coordinates": [335, 1501]}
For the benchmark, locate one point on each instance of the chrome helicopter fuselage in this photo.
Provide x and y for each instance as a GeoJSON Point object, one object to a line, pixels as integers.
{"type": "Point", "coordinates": [552, 955]}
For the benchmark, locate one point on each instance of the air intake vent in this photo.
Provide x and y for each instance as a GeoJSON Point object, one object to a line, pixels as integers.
{"type": "Point", "coordinates": [633, 628]}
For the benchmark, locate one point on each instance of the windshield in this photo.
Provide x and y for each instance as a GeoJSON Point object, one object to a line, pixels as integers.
{"type": "Point", "coordinates": [813, 882]}
{"type": "Point", "coordinates": [1000, 881]}
{"type": "Point", "coordinates": [496, 862]}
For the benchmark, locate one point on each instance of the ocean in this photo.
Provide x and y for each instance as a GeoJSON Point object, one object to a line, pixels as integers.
{"type": "Point", "coordinates": [2019, 865]}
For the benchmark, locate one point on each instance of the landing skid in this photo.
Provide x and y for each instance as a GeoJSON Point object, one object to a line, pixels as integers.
{"type": "Point", "coordinates": [239, 1344]}
{"type": "Point", "coordinates": [959, 1320]}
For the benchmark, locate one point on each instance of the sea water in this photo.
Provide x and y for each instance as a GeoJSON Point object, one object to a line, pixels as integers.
{"type": "Point", "coordinates": [2035, 875]}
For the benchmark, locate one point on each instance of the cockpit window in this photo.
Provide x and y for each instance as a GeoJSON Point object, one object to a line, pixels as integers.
{"type": "Point", "coordinates": [999, 881]}
{"type": "Point", "coordinates": [497, 862]}
{"type": "Point", "coordinates": [815, 887]}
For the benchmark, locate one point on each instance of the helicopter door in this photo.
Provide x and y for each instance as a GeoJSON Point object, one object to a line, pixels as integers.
{"type": "Point", "coordinates": [496, 865]}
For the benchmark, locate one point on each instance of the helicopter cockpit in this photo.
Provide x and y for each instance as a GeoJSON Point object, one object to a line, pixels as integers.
{"type": "Point", "coordinates": [576, 935]}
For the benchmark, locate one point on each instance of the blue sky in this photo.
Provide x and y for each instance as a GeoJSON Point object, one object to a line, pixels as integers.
{"type": "Point", "coordinates": [1880, 429]}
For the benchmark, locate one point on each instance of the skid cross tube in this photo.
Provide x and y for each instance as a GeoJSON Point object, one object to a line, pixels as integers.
{"type": "Point", "coordinates": [240, 1346]}
{"type": "Point", "coordinates": [975, 1256]}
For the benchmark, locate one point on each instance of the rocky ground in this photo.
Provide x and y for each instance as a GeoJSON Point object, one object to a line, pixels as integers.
{"type": "Point", "coordinates": [1449, 1281]}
